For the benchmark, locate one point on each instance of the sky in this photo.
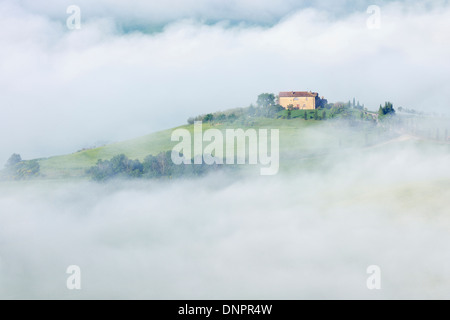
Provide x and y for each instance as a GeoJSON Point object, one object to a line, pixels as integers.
{"type": "Point", "coordinates": [132, 69]}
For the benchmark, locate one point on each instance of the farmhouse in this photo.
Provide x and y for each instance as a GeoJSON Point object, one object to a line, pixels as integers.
{"type": "Point", "coordinates": [304, 100]}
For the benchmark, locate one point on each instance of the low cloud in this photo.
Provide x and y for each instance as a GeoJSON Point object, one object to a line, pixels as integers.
{"type": "Point", "coordinates": [311, 233]}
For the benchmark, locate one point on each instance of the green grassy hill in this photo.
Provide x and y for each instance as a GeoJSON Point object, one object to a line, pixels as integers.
{"type": "Point", "coordinates": [298, 139]}
{"type": "Point", "coordinates": [74, 165]}
{"type": "Point", "coordinates": [306, 137]}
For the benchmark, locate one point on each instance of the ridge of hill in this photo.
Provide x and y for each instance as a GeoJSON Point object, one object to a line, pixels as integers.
{"type": "Point", "coordinates": [304, 142]}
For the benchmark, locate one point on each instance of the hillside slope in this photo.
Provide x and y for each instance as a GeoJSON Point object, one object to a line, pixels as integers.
{"type": "Point", "coordinates": [298, 139]}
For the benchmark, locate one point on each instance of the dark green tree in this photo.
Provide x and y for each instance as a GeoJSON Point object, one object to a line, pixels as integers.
{"type": "Point", "coordinates": [13, 160]}
{"type": "Point", "coordinates": [232, 117]}
{"type": "Point", "coordinates": [265, 100]}
{"type": "Point", "coordinates": [118, 167]}
{"type": "Point", "coordinates": [273, 111]}
{"type": "Point", "coordinates": [208, 118]}
{"type": "Point", "coordinates": [221, 117]}
{"type": "Point", "coordinates": [387, 110]}
{"type": "Point", "coordinates": [119, 164]}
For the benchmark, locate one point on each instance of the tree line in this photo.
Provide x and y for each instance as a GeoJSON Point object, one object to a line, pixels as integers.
{"type": "Point", "coordinates": [153, 167]}
{"type": "Point", "coordinates": [267, 107]}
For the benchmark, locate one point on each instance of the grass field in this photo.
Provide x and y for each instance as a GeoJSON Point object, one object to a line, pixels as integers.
{"type": "Point", "coordinates": [300, 141]}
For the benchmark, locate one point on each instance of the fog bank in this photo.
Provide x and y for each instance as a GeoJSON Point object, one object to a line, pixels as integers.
{"type": "Point", "coordinates": [310, 234]}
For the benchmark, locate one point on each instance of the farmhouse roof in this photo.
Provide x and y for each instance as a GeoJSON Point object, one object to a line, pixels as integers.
{"type": "Point", "coordinates": [293, 94]}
